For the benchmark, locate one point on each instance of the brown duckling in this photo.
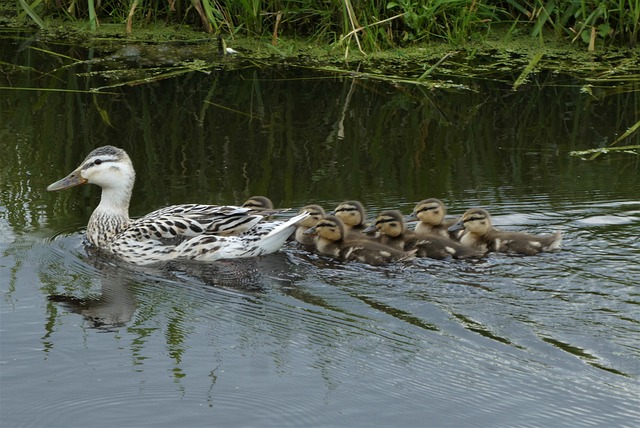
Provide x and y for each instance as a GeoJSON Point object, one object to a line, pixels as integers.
{"type": "Point", "coordinates": [331, 241]}
{"type": "Point", "coordinates": [353, 217]}
{"type": "Point", "coordinates": [393, 232]}
{"type": "Point", "coordinates": [316, 213]}
{"type": "Point", "coordinates": [430, 215]}
{"type": "Point", "coordinates": [480, 234]}
{"type": "Point", "coordinates": [258, 203]}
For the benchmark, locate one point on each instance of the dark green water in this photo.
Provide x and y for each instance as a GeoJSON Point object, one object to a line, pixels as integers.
{"type": "Point", "coordinates": [293, 339]}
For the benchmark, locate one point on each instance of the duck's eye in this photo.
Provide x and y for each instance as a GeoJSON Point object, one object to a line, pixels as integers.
{"type": "Point", "coordinates": [97, 162]}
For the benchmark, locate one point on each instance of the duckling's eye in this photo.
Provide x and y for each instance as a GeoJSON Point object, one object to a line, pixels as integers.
{"type": "Point", "coordinates": [97, 162]}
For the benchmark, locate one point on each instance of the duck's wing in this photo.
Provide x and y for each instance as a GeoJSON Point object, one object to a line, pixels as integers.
{"type": "Point", "coordinates": [195, 219]}
{"type": "Point", "coordinates": [264, 238]}
{"type": "Point", "coordinates": [175, 235]}
{"type": "Point", "coordinates": [528, 244]}
{"type": "Point", "coordinates": [374, 253]}
{"type": "Point", "coordinates": [438, 247]}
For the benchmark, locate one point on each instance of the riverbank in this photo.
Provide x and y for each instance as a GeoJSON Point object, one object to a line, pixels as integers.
{"type": "Point", "coordinates": [501, 54]}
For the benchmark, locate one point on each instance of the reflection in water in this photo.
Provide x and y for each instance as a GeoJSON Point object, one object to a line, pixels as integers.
{"type": "Point", "coordinates": [293, 338]}
{"type": "Point", "coordinates": [114, 304]}
{"type": "Point", "coordinates": [112, 308]}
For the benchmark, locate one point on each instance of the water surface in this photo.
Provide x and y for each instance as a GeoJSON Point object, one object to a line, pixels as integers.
{"type": "Point", "coordinates": [293, 339]}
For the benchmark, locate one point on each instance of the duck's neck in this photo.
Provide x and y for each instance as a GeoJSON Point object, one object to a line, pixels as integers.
{"type": "Point", "coordinates": [328, 246]}
{"type": "Point", "coordinates": [110, 217]}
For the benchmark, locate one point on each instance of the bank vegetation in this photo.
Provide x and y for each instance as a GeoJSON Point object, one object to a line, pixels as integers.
{"type": "Point", "coordinates": [365, 25]}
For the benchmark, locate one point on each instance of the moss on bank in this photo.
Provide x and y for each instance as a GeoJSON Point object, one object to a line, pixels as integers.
{"type": "Point", "coordinates": [501, 54]}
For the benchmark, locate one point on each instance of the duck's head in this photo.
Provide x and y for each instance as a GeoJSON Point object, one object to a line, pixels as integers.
{"type": "Point", "coordinates": [316, 213]}
{"type": "Point", "coordinates": [258, 203]}
{"type": "Point", "coordinates": [390, 223]}
{"type": "Point", "coordinates": [429, 211]}
{"type": "Point", "coordinates": [351, 213]}
{"type": "Point", "coordinates": [475, 220]}
{"type": "Point", "coordinates": [330, 228]}
{"type": "Point", "coordinates": [108, 167]}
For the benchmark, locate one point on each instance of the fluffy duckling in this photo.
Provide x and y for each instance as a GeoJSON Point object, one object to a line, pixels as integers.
{"type": "Point", "coordinates": [258, 203]}
{"type": "Point", "coordinates": [430, 215]}
{"type": "Point", "coordinates": [331, 241]}
{"type": "Point", "coordinates": [480, 234]}
{"type": "Point", "coordinates": [353, 217]}
{"type": "Point", "coordinates": [393, 232]}
{"type": "Point", "coordinates": [316, 213]}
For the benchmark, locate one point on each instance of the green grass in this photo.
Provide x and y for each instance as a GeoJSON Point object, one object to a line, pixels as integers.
{"type": "Point", "coordinates": [365, 25]}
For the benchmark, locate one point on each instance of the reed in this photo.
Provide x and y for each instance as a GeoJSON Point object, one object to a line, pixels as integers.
{"type": "Point", "coordinates": [367, 25]}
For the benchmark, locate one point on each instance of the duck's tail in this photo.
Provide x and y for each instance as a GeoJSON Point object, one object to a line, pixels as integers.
{"type": "Point", "coordinates": [555, 243]}
{"type": "Point", "coordinates": [272, 235]}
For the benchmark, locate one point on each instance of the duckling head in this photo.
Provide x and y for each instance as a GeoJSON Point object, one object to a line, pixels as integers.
{"type": "Point", "coordinates": [258, 203]}
{"type": "Point", "coordinates": [108, 167]}
{"type": "Point", "coordinates": [475, 220]}
{"type": "Point", "coordinates": [316, 213]}
{"type": "Point", "coordinates": [330, 228]}
{"type": "Point", "coordinates": [390, 223]}
{"type": "Point", "coordinates": [430, 211]}
{"type": "Point", "coordinates": [351, 213]}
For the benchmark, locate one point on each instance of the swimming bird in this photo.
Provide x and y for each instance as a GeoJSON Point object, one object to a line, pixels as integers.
{"type": "Point", "coordinates": [258, 203]}
{"type": "Point", "coordinates": [316, 213]}
{"type": "Point", "coordinates": [430, 214]}
{"type": "Point", "coordinates": [393, 232]}
{"type": "Point", "coordinates": [480, 234]}
{"type": "Point", "coordinates": [332, 241]}
{"type": "Point", "coordinates": [353, 217]}
{"type": "Point", "coordinates": [189, 231]}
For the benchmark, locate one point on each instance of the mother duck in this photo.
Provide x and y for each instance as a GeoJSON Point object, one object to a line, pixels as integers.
{"type": "Point", "coordinates": [188, 232]}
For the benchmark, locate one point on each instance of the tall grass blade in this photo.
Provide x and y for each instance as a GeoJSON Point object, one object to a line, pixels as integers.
{"type": "Point", "coordinates": [543, 18]}
{"type": "Point", "coordinates": [132, 11]}
{"type": "Point", "coordinates": [93, 18]}
{"type": "Point", "coordinates": [32, 13]}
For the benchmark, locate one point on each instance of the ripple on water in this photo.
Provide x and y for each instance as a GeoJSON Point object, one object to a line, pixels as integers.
{"type": "Point", "coordinates": [607, 220]}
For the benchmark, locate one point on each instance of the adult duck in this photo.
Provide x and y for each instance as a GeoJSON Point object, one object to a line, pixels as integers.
{"type": "Point", "coordinates": [189, 231]}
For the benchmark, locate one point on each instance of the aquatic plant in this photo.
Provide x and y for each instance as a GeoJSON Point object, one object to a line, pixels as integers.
{"type": "Point", "coordinates": [366, 24]}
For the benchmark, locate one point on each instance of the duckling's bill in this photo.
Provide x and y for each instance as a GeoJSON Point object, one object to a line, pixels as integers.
{"type": "Point", "coordinates": [459, 225]}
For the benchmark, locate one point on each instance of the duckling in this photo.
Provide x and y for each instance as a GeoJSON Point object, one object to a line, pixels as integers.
{"type": "Point", "coordinates": [178, 232]}
{"type": "Point", "coordinates": [393, 232]}
{"type": "Point", "coordinates": [331, 241]}
{"type": "Point", "coordinates": [316, 213]}
{"type": "Point", "coordinates": [353, 217]}
{"type": "Point", "coordinates": [258, 203]}
{"type": "Point", "coordinates": [430, 215]}
{"type": "Point", "coordinates": [479, 233]}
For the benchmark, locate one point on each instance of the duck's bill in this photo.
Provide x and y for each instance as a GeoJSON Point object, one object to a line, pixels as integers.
{"type": "Point", "coordinates": [71, 180]}
{"type": "Point", "coordinates": [456, 226]}
{"type": "Point", "coordinates": [370, 229]}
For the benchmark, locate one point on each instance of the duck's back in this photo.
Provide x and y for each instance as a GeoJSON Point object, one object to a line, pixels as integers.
{"type": "Point", "coordinates": [525, 243]}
